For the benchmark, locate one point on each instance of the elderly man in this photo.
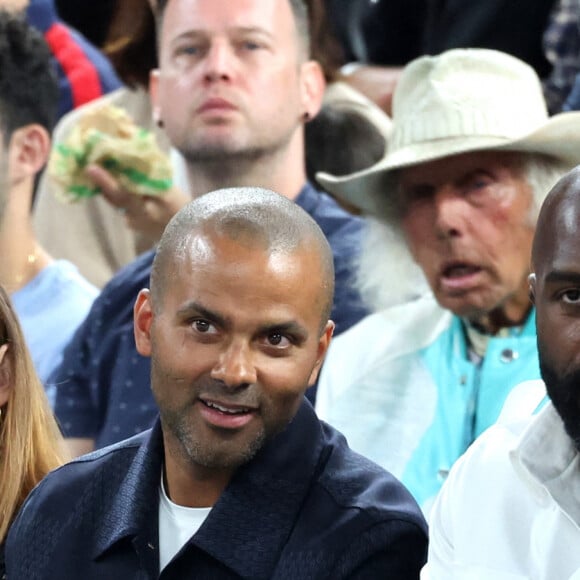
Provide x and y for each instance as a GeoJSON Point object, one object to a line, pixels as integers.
{"type": "Point", "coordinates": [238, 479]}
{"type": "Point", "coordinates": [471, 157]}
{"type": "Point", "coordinates": [510, 507]}
{"type": "Point", "coordinates": [233, 91]}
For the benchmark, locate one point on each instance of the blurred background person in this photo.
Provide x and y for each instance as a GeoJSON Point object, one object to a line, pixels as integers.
{"type": "Point", "coordinates": [30, 442]}
{"type": "Point", "coordinates": [83, 72]}
{"type": "Point", "coordinates": [50, 296]}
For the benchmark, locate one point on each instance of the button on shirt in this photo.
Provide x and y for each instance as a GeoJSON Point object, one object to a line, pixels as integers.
{"type": "Point", "coordinates": [103, 383]}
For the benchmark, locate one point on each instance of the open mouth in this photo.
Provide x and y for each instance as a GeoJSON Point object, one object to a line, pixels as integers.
{"type": "Point", "coordinates": [227, 410]}
{"type": "Point", "coordinates": [459, 270]}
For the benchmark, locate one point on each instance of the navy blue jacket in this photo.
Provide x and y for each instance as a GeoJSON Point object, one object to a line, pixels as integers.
{"type": "Point", "coordinates": [103, 383]}
{"type": "Point", "coordinates": [305, 507]}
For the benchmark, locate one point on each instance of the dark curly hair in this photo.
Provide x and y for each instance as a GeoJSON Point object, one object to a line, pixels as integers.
{"type": "Point", "coordinates": [28, 84]}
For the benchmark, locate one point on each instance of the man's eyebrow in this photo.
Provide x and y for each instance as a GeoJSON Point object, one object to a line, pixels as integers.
{"type": "Point", "coordinates": [237, 30]}
{"type": "Point", "coordinates": [563, 276]}
{"type": "Point", "coordinates": [193, 308]}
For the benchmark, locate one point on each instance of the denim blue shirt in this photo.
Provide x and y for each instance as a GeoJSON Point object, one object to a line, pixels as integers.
{"type": "Point", "coordinates": [84, 73]}
{"type": "Point", "coordinates": [103, 383]}
{"type": "Point", "coordinates": [305, 506]}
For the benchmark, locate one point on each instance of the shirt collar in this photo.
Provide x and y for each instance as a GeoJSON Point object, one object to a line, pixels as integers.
{"type": "Point", "coordinates": [546, 456]}
{"type": "Point", "coordinates": [308, 198]}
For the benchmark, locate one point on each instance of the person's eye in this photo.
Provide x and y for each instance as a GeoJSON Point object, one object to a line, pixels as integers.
{"type": "Point", "coordinates": [203, 326]}
{"type": "Point", "coordinates": [188, 50]}
{"type": "Point", "coordinates": [571, 296]}
{"type": "Point", "coordinates": [477, 183]}
{"type": "Point", "coordinates": [278, 340]}
{"type": "Point", "coordinates": [251, 45]}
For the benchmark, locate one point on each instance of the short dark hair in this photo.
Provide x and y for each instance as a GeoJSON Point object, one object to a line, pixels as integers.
{"type": "Point", "coordinates": [252, 215]}
{"type": "Point", "coordinates": [299, 9]}
{"type": "Point", "coordinates": [28, 85]}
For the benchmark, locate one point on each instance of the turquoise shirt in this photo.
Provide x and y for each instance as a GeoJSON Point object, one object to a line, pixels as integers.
{"type": "Point", "coordinates": [401, 386]}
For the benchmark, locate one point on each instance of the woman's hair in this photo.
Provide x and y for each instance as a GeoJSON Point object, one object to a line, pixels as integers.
{"type": "Point", "coordinates": [130, 42]}
{"type": "Point", "coordinates": [30, 441]}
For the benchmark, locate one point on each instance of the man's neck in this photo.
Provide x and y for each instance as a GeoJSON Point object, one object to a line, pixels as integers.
{"type": "Point", "coordinates": [22, 257]}
{"type": "Point", "coordinates": [194, 486]}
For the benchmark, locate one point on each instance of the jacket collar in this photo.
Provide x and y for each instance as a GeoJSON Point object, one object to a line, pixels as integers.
{"type": "Point", "coordinates": [546, 458]}
{"type": "Point", "coordinates": [255, 514]}
{"type": "Point", "coordinates": [133, 512]}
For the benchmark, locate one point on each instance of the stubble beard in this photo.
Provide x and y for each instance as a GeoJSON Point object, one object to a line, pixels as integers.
{"type": "Point", "coordinates": [205, 454]}
{"type": "Point", "coordinates": [225, 157]}
{"type": "Point", "coordinates": [564, 392]}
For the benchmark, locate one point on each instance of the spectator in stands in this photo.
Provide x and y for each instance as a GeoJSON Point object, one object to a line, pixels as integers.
{"type": "Point", "coordinates": [50, 296]}
{"type": "Point", "coordinates": [234, 102]}
{"type": "Point", "coordinates": [471, 156]}
{"type": "Point", "coordinates": [92, 234]}
{"type": "Point", "coordinates": [83, 72]}
{"type": "Point", "coordinates": [509, 508]}
{"type": "Point", "coordinates": [30, 442]}
{"type": "Point", "coordinates": [238, 478]}
{"type": "Point", "coordinates": [381, 36]}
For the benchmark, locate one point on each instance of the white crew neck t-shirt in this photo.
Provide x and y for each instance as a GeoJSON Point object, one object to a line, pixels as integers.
{"type": "Point", "coordinates": [177, 524]}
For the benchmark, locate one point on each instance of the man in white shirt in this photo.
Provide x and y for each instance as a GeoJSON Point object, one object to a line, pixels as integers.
{"type": "Point", "coordinates": [511, 505]}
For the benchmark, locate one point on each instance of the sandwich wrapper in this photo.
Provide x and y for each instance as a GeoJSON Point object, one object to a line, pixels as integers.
{"type": "Point", "coordinates": [108, 137]}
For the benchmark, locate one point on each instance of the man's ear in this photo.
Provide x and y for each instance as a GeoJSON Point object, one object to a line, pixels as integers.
{"type": "Point", "coordinates": [142, 321]}
{"type": "Point", "coordinates": [153, 95]}
{"type": "Point", "coordinates": [313, 86]}
{"type": "Point", "coordinates": [28, 151]}
{"type": "Point", "coordinates": [5, 375]}
{"type": "Point", "coordinates": [532, 287]}
{"type": "Point", "coordinates": [323, 344]}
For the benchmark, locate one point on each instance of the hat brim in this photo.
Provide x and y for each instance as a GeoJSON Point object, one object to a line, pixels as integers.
{"type": "Point", "coordinates": [558, 138]}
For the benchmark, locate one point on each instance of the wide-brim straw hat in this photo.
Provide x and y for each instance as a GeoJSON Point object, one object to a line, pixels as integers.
{"type": "Point", "coordinates": [461, 101]}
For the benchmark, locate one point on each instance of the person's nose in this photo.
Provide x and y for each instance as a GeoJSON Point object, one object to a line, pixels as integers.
{"type": "Point", "coordinates": [235, 365]}
{"type": "Point", "coordinates": [449, 210]}
{"type": "Point", "coordinates": [218, 62]}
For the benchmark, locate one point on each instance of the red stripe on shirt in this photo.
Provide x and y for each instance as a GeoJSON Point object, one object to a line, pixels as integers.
{"type": "Point", "coordinates": [82, 75]}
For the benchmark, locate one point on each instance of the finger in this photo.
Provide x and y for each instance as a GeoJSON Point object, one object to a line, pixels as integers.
{"type": "Point", "coordinates": [109, 186]}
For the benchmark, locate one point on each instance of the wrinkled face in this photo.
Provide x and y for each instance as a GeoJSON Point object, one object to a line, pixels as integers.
{"type": "Point", "coordinates": [231, 77]}
{"type": "Point", "coordinates": [555, 288]}
{"type": "Point", "coordinates": [466, 220]}
{"type": "Point", "coordinates": [234, 344]}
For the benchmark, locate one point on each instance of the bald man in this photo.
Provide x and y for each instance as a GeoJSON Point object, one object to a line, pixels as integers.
{"type": "Point", "coordinates": [511, 505]}
{"type": "Point", "coordinates": [238, 478]}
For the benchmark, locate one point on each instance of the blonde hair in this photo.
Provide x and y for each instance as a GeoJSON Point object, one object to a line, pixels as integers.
{"type": "Point", "coordinates": [30, 441]}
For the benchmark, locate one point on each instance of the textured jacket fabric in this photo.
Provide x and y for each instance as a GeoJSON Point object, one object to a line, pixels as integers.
{"type": "Point", "coordinates": [103, 383]}
{"type": "Point", "coordinates": [510, 508]}
{"type": "Point", "coordinates": [306, 507]}
{"type": "Point", "coordinates": [402, 388]}
{"type": "Point", "coordinates": [84, 73]}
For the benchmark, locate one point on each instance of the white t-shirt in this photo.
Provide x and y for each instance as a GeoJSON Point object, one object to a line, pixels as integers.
{"type": "Point", "coordinates": [177, 524]}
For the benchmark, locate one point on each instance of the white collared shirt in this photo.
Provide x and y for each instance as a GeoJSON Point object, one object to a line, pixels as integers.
{"type": "Point", "coordinates": [510, 508]}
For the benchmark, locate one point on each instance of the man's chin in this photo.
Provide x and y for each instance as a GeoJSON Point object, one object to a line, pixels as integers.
{"type": "Point", "coordinates": [564, 392]}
